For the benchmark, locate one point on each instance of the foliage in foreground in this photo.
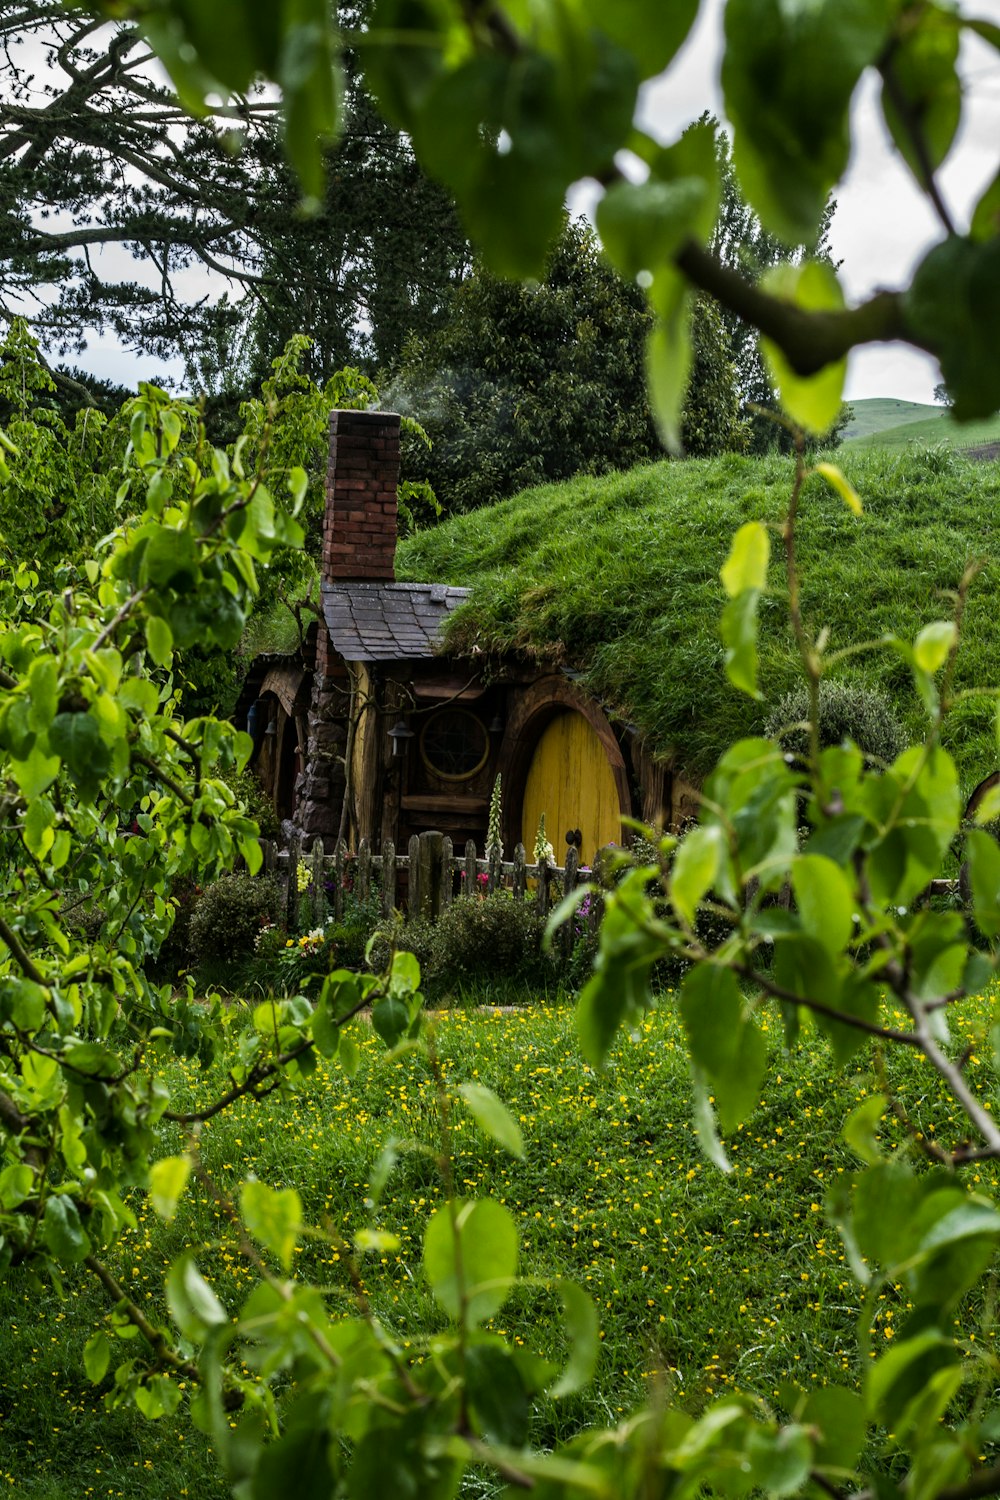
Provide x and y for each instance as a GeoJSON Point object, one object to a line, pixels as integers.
{"type": "Point", "coordinates": [533, 100]}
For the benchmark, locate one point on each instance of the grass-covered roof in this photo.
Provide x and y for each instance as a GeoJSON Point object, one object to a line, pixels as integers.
{"type": "Point", "coordinates": [619, 577]}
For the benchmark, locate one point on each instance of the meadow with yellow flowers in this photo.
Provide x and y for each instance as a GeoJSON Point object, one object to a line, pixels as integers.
{"type": "Point", "coordinates": [704, 1282]}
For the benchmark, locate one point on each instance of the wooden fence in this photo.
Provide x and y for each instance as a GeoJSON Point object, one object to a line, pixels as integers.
{"type": "Point", "coordinates": [422, 882]}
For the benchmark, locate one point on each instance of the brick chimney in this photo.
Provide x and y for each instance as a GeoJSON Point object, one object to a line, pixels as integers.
{"type": "Point", "coordinates": [359, 529]}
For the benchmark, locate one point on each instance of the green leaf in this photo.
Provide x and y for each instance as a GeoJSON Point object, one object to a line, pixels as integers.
{"type": "Point", "coordinates": [788, 75]}
{"type": "Point", "coordinates": [983, 856]}
{"type": "Point", "coordinates": [921, 89]}
{"type": "Point", "coordinates": [903, 1372]}
{"type": "Point", "coordinates": [812, 401]}
{"type": "Point", "coordinates": [861, 1125]}
{"type": "Point", "coordinates": [661, 28]}
{"type": "Point", "coordinates": [725, 1043]}
{"type": "Point", "coordinates": [76, 738]}
{"type": "Point", "coordinates": [780, 1461]}
{"type": "Point", "coordinates": [273, 1217]}
{"type": "Point", "coordinates": [390, 1019]}
{"type": "Point", "coordinates": [953, 306]}
{"type": "Point", "coordinates": [63, 1232]}
{"type": "Point", "coordinates": [839, 1418]}
{"type": "Point", "coordinates": [404, 976]}
{"type": "Point", "coordinates": [349, 1055]}
{"type": "Point", "coordinates": [494, 1117]}
{"type": "Point", "coordinates": [159, 640]}
{"type": "Point", "coordinates": [96, 1357]}
{"type": "Point", "coordinates": [16, 1182]}
{"type": "Point", "coordinates": [38, 827]}
{"type": "Point", "coordinates": [193, 1305]}
{"type": "Point", "coordinates": [36, 772]}
{"type": "Point", "coordinates": [704, 1123]}
{"type": "Point", "coordinates": [695, 869]}
{"type": "Point", "coordinates": [841, 485]}
{"type": "Point", "coordinates": [747, 563]}
{"type": "Point", "coordinates": [668, 354]}
{"type": "Point", "coordinates": [326, 1032]}
{"type": "Point", "coordinates": [825, 900]}
{"type": "Point", "coordinates": [581, 1326]}
{"type": "Point", "coordinates": [738, 628]}
{"type": "Point", "coordinates": [470, 1263]}
{"type": "Point", "coordinates": [934, 644]}
{"type": "Point", "coordinates": [167, 1181]}
{"type": "Point", "coordinates": [643, 224]}
{"type": "Point", "coordinates": [501, 1406]}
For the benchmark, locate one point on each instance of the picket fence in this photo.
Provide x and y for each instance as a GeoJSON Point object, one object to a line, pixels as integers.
{"type": "Point", "coordinates": [424, 881]}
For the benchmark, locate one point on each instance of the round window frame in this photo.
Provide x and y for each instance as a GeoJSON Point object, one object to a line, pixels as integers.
{"type": "Point", "coordinates": [465, 713]}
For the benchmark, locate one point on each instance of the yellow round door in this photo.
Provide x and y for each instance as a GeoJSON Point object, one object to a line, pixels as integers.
{"type": "Point", "coordinates": [571, 782]}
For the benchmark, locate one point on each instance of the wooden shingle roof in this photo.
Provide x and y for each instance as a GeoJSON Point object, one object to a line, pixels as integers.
{"type": "Point", "coordinates": [388, 621]}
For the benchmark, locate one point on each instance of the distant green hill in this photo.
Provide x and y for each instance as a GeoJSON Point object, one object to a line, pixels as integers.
{"type": "Point", "coordinates": [618, 578]}
{"type": "Point", "coordinates": [926, 430]}
{"type": "Point", "coordinates": [876, 413]}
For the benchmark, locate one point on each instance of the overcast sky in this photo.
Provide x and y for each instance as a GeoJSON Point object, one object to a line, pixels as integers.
{"type": "Point", "coordinates": [882, 226]}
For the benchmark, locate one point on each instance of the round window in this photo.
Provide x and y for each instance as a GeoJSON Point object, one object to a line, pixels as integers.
{"type": "Point", "coordinates": [454, 744]}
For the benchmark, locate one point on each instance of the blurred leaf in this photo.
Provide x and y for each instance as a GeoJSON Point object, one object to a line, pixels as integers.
{"type": "Point", "coordinates": [812, 401]}
{"type": "Point", "coordinates": [272, 1216]}
{"type": "Point", "coordinates": [471, 1262]}
{"type": "Point", "coordinates": [494, 1117]}
{"type": "Point", "coordinates": [167, 1180]}
{"type": "Point", "coordinates": [838, 482]}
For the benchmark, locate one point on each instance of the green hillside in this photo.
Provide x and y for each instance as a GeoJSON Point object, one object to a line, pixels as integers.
{"type": "Point", "coordinates": [876, 413]}
{"type": "Point", "coordinates": [938, 428]}
{"type": "Point", "coordinates": [618, 577]}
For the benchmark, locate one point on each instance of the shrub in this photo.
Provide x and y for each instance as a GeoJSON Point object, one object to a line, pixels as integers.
{"type": "Point", "coordinates": [228, 915]}
{"type": "Point", "coordinates": [488, 938]}
{"type": "Point", "coordinates": [861, 714]}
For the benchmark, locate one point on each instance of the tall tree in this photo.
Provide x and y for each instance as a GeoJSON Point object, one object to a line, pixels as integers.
{"type": "Point", "coordinates": [742, 244]}
{"type": "Point", "coordinates": [124, 214]}
{"type": "Point", "coordinates": [528, 384]}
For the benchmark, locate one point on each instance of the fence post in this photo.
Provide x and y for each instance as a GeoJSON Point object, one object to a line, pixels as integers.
{"type": "Point", "coordinates": [543, 887]}
{"type": "Point", "coordinates": [338, 879]}
{"type": "Point", "coordinates": [471, 869]}
{"type": "Point", "coordinates": [270, 852]}
{"type": "Point", "coordinates": [520, 878]}
{"type": "Point", "coordinates": [569, 884]}
{"type": "Point", "coordinates": [318, 884]}
{"type": "Point", "coordinates": [494, 880]}
{"type": "Point", "coordinates": [363, 878]}
{"type": "Point", "coordinates": [447, 887]}
{"type": "Point", "coordinates": [292, 889]}
{"type": "Point", "coordinates": [431, 860]}
{"type": "Point", "coordinates": [414, 892]}
{"type": "Point", "coordinates": [388, 878]}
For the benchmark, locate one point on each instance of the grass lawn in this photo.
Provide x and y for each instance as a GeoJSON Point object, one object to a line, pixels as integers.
{"type": "Point", "coordinates": [718, 1281]}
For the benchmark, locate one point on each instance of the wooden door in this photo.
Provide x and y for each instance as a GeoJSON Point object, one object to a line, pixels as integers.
{"type": "Point", "coordinates": [571, 782]}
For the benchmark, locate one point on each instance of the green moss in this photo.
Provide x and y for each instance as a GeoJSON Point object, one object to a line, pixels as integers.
{"type": "Point", "coordinates": [618, 578]}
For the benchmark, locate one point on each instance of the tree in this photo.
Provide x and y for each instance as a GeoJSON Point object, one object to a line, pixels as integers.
{"type": "Point", "coordinates": [509, 113]}
{"type": "Point", "coordinates": [528, 384]}
{"type": "Point", "coordinates": [97, 157]}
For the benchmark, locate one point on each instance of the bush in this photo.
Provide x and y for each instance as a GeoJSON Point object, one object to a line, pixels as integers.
{"type": "Point", "coordinates": [861, 714]}
{"type": "Point", "coordinates": [475, 942]}
{"type": "Point", "coordinates": [228, 916]}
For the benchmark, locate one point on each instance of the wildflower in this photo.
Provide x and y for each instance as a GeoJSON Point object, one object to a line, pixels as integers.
{"type": "Point", "coordinates": [494, 840]}
{"type": "Point", "coordinates": [543, 849]}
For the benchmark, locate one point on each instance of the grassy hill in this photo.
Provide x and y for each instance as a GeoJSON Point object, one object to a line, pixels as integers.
{"type": "Point", "coordinates": [876, 413]}
{"type": "Point", "coordinates": [618, 578]}
{"type": "Point", "coordinates": [939, 427]}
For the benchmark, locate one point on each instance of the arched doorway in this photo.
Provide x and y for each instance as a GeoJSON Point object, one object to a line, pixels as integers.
{"type": "Point", "coordinates": [571, 781]}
